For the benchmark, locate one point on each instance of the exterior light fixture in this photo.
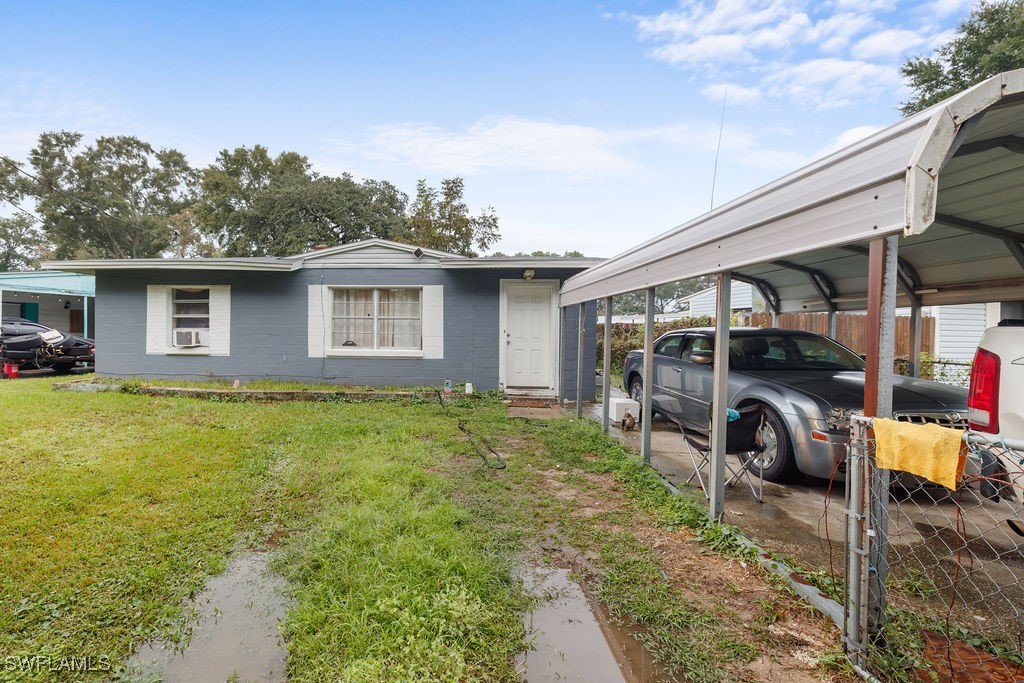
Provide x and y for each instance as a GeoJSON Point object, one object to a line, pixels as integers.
{"type": "Point", "coordinates": [528, 274]}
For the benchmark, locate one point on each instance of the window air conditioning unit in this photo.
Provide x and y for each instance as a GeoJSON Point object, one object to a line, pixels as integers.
{"type": "Point", "coordinates": [186, 338]}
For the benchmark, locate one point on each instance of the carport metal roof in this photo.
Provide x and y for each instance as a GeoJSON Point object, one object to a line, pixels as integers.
{"type": "Point", "coordinates": [949, 180]}
{"type": "Point", "coordinates": [48, 282]}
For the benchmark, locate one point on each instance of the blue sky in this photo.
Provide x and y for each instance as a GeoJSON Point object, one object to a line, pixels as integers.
{"type": "Point", "coordinates": [587, 125]}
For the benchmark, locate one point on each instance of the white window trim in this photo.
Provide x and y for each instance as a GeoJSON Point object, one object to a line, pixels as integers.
{"type": "Point", "coordinates": [320, 314]}
{"type": "Point", "coordinates": [159, 309]}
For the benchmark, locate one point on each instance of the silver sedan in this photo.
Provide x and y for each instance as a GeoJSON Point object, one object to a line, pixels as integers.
{"type": "Point", "coordinates": [809, 384]}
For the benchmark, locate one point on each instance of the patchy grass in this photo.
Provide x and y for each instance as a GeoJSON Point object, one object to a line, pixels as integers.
{"type": "Point", "coordinates": [113, 509]}
{"type": "Point", "coordinates": [116, 507]}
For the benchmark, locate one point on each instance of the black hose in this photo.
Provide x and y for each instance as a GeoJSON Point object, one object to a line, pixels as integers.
{"type": "Point", "coordinates": [499, 465]}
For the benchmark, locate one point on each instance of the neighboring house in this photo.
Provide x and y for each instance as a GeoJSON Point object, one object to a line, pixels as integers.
{"type": "Point", "coordinates": [640, 318]}
{"type": "Point", "coordinates": [64, 301]}
{"type": "Point", "coordinates": [744, 300]}
{"type": "Point", "coordinates": [958, 330]}
{"type": "Point", "coordinates": [372, 313]}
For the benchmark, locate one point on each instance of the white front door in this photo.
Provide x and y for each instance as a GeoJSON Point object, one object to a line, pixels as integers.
{"type": "Point", "coordinates": [529, 335]}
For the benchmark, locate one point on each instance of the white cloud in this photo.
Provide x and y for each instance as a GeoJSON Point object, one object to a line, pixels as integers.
{"type": "Point", "coordinates": [32, 103]}
{"type": "Point", "coordinates": [847, 138]}
{"type": "Point", "coordinates": [829, 83]}
{"type": "Point", "coordinates": [945, 8]}
{"type": "Point", "coordinates": [707, 49]}
{"type": "Point", "coordinates": [864, 5]}
{"type": "Point", "coordinates": [733, 93]}
{"type": "Point", "coordinates": [569, 152]}
{"type": "Point", "coordinates": [887, 44]}
{"type": "Point", "coordinates": [503, 144]}
{"type": "Point", "coordinates": [835, 33]}
{"type": "Point", "coordinates": [817, 54]}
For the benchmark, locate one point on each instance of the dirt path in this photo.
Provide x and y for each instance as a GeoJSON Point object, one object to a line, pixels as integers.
{"type": "Point", "coordinates": [740, 619]}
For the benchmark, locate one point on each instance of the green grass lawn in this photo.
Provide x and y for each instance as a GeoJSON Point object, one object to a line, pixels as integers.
{"type": "Point", "coordinates": [115, 507]}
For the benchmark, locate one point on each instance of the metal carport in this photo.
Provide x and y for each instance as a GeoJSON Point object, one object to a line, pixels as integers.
{"type": "Point", "coordinates": [927, 211]}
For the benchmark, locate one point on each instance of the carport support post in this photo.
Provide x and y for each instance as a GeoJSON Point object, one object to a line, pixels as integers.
{"type": "Point", "coordinates": [915, 341]}
{"type": "Point", "coordinates": [882, 257]}
{"type": "Point", "coordinates": [579, 359]}
{"type": "Point", "coordinates": [646, 410]}
{"type": "Point", "coordinates": [606, 374]}
{"type": "Point", "coordinates": [720, 397]}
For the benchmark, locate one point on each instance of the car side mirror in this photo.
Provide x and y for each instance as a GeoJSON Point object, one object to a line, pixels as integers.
{"type": "Point", "coordinates": [702, 357]}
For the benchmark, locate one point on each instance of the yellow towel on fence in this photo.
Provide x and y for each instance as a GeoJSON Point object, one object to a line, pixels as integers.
{"type": "Point", "coordinates": [927, 450]}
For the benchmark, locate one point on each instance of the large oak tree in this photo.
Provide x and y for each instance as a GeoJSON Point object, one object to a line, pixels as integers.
{"type": "Point", "coordinates": [110, 199]}
{"type": "Point", "coordinates": [988, 42]}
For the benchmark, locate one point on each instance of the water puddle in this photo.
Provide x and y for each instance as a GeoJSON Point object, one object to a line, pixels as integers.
{"type": "Point", "coordinates": [237, 636]}
{"type": "Point", "coordinates": [573, 641]}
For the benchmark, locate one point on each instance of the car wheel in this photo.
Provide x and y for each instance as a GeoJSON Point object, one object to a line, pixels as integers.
{"type": "Point", "coordinates": [776, 462]}
{"type": "Point", "coordinates": [63, 368]}
{"type": "Point", "coordinates": [636, 392]}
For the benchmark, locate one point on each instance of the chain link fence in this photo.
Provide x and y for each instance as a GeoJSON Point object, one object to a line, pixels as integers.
{"type": "Point", "coordinates": [935, 578]}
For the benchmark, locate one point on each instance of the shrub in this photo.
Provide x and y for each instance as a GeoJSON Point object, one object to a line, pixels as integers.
{"type": "Point", "coordinates": [629, 336]}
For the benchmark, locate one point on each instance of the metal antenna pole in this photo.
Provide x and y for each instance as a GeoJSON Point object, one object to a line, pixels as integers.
{"type": "Point", "coordinates": [718, 148]}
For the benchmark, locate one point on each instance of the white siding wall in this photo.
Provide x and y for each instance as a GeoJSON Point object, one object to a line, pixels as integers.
{"type": "Point", "coordinates": [958, 330]}
{"type": "Point", "coordinates": [703, 303]}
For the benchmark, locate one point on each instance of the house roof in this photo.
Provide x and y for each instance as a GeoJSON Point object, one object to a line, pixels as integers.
{"type": "Point", "coordinates": [537, 262]}
{"type": "Point", "coordinates": [375, 242]}
{"type": "Point", "coordinates": [92, 265]}
{"type": "Point", "coordinates": [48, 282]}
{"type": "Point", "coordinates": [375, 253]}
{"type": "Point", "coordinates": [946, 180]}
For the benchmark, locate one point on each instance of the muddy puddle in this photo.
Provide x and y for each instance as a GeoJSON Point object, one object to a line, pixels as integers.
{"type": "Point", "coordinates": [237, 636]}
{"type": "Point", "coordinates": [575, 641]}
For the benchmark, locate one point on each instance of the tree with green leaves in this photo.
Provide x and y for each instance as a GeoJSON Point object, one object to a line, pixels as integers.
{"type": "Point", "coordinates": [667, 298]}
{"type": "Point", "coordinates": [20, 243]}
{"type": "Point", "coordinates": [20, 240]}
{"type": "Point", "coordinates": [441, 220]}
{"type": "Point", "coordinates": [110, 199]}
{"type": "Point", "coordinates": [253, 204]}
{"type": "Point", "coordinates": [988, 42]}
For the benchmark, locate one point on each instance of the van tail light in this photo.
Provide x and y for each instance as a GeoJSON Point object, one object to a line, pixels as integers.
{"type": "Point", "coordinates": [983, 397]}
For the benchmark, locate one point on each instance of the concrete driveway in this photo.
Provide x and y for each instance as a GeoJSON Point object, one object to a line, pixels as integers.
{"type": "Point", "coordinates": [792, 520]}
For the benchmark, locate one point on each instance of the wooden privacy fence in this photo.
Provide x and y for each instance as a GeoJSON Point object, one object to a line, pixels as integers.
{"type": "Point", "coordinates": [851, 329]}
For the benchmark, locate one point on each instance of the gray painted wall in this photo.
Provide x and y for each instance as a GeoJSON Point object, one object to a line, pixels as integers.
{"type": "Point", "coordinates": [269, 329]}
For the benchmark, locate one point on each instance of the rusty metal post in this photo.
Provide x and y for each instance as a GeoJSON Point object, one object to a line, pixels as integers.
{"type": "Point", "coordinates": [914, 351]}
{"type": "Point", "coordinates": [882, 261]}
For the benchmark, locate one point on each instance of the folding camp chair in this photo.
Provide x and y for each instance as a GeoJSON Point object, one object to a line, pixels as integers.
{"type": "Point", "coordinates": [742, 438]}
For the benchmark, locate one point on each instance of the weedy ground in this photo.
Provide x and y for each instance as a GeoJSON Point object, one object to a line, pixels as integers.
{"type": "Point", "coordinates": [403, 545]}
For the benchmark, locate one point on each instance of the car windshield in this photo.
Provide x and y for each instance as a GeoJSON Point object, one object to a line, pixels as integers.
{"type": "Point", "coordinates": [790, 352]}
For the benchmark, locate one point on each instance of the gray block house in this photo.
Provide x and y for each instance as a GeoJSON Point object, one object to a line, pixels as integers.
{"type": "Point", "coordinates": [371, 313]}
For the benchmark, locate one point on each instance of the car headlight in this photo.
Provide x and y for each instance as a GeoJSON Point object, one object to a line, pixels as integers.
{"type": "Point", "coordinates": [838, 419]}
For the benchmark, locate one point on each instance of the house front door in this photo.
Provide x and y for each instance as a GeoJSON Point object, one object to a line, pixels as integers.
{"type": "Point", "coordinates": [529, 339]}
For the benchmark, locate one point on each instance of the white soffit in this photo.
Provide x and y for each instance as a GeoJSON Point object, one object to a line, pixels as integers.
{"type": "Point", "coordinates": [894, 182]}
